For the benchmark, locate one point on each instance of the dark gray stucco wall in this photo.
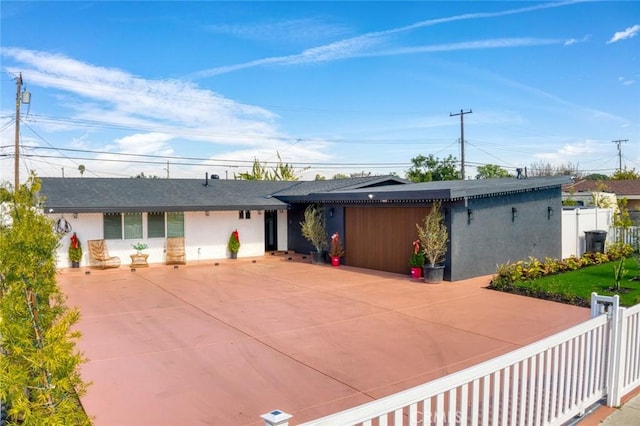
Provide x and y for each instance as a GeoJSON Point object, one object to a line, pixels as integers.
{"type": "Point", "coordinates": [494, 237]}
{"type": "Point", "coordinates": [334, 216]}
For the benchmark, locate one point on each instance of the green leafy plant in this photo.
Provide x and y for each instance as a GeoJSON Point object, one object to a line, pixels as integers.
{"type": "Point", "coordinates": [314, 227]}
{"type": "Point", "coordinates": [417, 258]}
{"type": "Point", "coordinates": [139, 246]}
{"type": "Point", "coordinates": [618, 273]}
{"type": "Point", "coordinates": [75, 249]}
{"type": "Point", "coordinates": [234, 242]}
{"type": "Point", "coordinates": [433, 235]}
{"type": "Point", "coordinates": [39, 363]}
{"type": "Point", "coordinates": [336, 249]}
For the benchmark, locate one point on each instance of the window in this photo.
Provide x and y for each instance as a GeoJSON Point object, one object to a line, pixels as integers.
{"type": "Point", "coordinates": [112, 225]}
{"type": "Point", "coordinates": [175, 224]}
{"type": "Point", "coordinates": [155, 225]}
{"type": "Point", "coordinates": [132, 226]}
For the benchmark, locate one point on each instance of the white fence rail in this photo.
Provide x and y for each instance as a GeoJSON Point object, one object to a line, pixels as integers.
{"type": "Point", "coordinates": [546, 383]}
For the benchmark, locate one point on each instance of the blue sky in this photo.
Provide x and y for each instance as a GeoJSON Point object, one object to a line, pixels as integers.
{"type": "Point", "coordinates": [333, 87]}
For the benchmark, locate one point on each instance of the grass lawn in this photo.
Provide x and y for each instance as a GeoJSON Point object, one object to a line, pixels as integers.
{"type": "Point", "coordinates": [576, 286]}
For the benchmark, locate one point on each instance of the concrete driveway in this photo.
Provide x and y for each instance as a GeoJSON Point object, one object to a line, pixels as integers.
{"type": "Point", "coordinates": [222, 344]}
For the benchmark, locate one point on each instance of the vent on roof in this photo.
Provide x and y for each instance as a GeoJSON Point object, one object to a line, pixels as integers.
{"type": "Point", "coordinates": [206, 179]}
{"type": "Point", "coordinates": [215, 176]}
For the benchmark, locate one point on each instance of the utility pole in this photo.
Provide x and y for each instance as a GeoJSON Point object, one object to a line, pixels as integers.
{"type": "Point", "coordinates": [16, 155]}
{"type": "Point", "coordinates": [461, 114]}
{"type": "Point", "coordinates": [20, 98]}
{"type": "Point", "coordinates": [619, 143]}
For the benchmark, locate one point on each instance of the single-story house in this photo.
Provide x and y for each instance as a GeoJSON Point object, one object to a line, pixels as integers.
{"type": "Point", "coordinates": [490, 221]}
{"type": "Point", "coordinates": [583, 191]}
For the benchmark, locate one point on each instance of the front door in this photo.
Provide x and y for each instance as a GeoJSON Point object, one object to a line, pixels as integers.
{"type": "Point", "coordinates": [270, 230]}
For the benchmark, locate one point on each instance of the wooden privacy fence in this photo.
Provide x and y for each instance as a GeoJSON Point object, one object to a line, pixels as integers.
{"type": "Point", "coordinates": [545, 383]}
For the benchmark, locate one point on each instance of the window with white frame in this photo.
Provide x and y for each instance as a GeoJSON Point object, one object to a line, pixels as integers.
{"type": "Point", "coordinates": [155, 225]}
{"type": "Point", "coordinates": [175, 224]}
{"type": "Point", "coordinates": [112, 226]}
{"type": "Point", "coordinates": [132, 226]}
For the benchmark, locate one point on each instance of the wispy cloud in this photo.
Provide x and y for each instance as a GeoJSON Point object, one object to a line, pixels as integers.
{"type": "Point", "coordinates": [626, 34]}
{"type": "Point", "coordinates": [366, 44]}
{"type": "Point", "coordinates": [626, 82]}
{"type": "Point", "coordinates": [311, 29]}
{"type": "Point", "coordinates": [573, 41]}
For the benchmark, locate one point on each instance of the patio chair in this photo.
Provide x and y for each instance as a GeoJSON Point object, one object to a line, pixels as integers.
{"type": "Point", "coordinates": [99, 255]}
{"type": "Point", "coordinates": [175, 251]}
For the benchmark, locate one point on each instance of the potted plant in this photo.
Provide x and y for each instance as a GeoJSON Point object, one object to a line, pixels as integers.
{"type": "Point", "coordinates": [139, 247]}
{"type": "Point", "coordinates": [433, 238]}
{"type": "Point", "coordinates": [234, 244]}
{"type": "Point", "coordinates": [416, 261]}
{"type": "Point", "coordinates": [314, 229]}
{"type": "Point", "coordinates": [336, 251]}
{"type": "Point", "coordinates": [75, 251]}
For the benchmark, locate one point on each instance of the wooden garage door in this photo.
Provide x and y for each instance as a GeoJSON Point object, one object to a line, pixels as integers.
{"type": "Point", "coordinates": [380, 237]}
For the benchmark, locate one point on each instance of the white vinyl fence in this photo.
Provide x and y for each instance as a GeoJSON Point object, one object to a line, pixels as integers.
{"type": "Point", "coordinates": [546, 383]}
{"type": "Point", "coordinates": [576, 221]}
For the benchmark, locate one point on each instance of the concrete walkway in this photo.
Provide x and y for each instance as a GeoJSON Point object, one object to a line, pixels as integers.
{"type": "Point", "coordinates": [222, 344]}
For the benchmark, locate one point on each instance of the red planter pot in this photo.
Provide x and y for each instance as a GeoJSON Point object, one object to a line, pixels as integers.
{"type": "Point", "coordinates": [335, 261]}
{"type": "Point", "coordinates": [416, 273]}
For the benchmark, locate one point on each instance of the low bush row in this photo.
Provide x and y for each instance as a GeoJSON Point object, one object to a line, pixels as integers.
{"type": "Point", "coordinates": [509, 274]}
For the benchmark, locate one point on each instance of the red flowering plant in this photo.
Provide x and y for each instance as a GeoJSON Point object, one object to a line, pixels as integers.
{"type": "Point", "coordinates": [75, 249]}
{"type": "Point", "coordinates": [417, 258]}
{"type": "Point", "coordinates": [234, 242]}
{"type": "Point", "coordinates": [336, 248]}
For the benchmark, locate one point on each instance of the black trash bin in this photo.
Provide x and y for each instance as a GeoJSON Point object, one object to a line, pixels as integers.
{"type": "Point", "coordinates": [595, 241]}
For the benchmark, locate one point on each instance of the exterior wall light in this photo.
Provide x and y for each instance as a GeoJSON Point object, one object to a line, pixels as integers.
{"type": "Point", "coordinates": [469, 216]}
{"type": "Point", "coordinates": [549, 212]}
{"type": "Point", "coordinates": [514, 214]}
{"type": "Point", "coordinates": [240, 214]}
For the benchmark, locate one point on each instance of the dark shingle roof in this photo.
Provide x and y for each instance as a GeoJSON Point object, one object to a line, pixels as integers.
{"type": "Point", "coordinates": [86, 195]}
{"type": "Point", "coordinates": [83, 195]}
{"type": "Point", "coordinates": [441, 190]}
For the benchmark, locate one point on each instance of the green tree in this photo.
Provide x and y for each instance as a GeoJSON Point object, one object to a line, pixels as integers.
{"type": "Point", "coordinates": [38, 363]}
{"type": "Point", "coordinates": [81, 169]}
{"type": "Point", "coordinates": [622, 219]}
{"type": "Point", "coordinates": [542, 168]}
{"type": "Point", "coordinates": [491, 171]}
{"type": "Point", "coordinates": [427, 169]}
{"type": "Point", "coordinates": [625, 174]}
{"type": "Point", "coordinates": [282, 171]}
{"type": "Point", "coordinates": [141, 175]}
{"type": "Point", "coordinates": [596, 176]}
{"type": "Point", "coordinates": [340, 176]}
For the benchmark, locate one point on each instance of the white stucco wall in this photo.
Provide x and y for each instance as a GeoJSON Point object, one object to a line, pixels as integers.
{"type": "Point", "coordinates": [205, 236]}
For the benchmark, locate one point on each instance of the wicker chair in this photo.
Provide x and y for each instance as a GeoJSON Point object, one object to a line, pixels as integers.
{"type": "Point", "coordinates": [99, 255]}
{"type": "Point", "coordinates": [175, 251]}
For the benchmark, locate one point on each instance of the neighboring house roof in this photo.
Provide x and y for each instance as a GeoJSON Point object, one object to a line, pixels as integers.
{"type": "Point", "coordinates": [112, 195]}
{"type": "Point", "coordinates": [622, 188]}
{"type": "Point", "coordinates": [430, 191]}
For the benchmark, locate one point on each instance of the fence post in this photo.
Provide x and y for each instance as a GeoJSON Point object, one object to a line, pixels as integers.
{"type": "Point", "coordinates": [617, 353]}
{"type": "Point", "coordinates": [276, 418]}
{"type": "Point", "coordinates": [613, 379]}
